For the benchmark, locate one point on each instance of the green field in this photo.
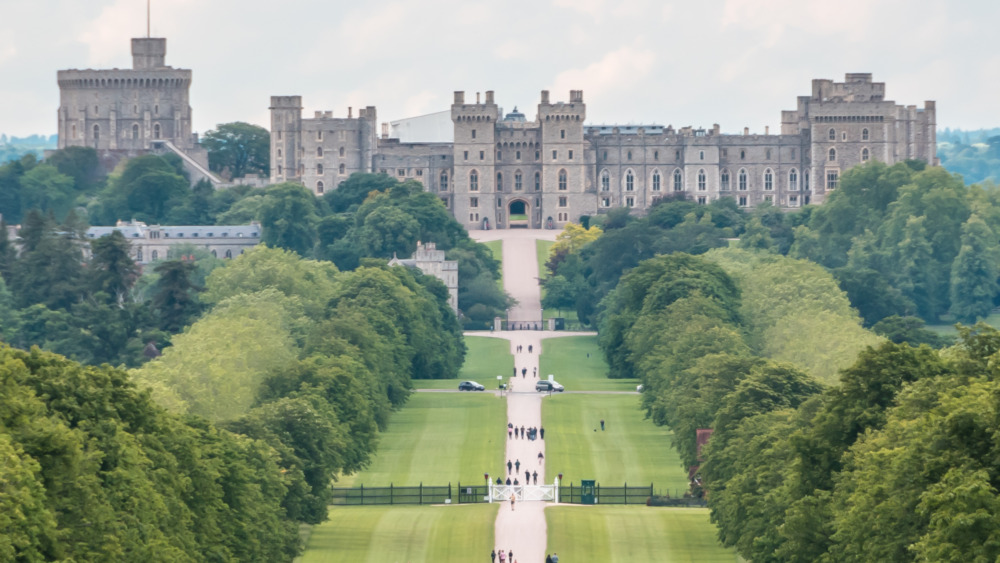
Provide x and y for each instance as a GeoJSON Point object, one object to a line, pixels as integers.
{"type": "Point", "coordinates": [439, 438]}
{"type": "Point", "coordinates": [496, 247]}
{"type": "Point", "coordinates": [485, 359]}
{"type": "Point", "coordinates": [404, 534]}
{"type": "Point", "coordinates": [612, 534]}
{"type": "Point", "coordinates": [566, 358]}
{"type": "Point", "coordinates": [542, 248]}
{"type": "Point", "coordinates": [630, 449]}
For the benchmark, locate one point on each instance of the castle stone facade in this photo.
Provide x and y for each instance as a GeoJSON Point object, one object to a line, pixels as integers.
{"type": "Point", "coordinates": [503, 171]}
{"type": "Point", "coordinates": [430, 261]}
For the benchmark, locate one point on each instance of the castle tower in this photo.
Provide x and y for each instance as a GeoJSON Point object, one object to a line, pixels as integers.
{"type": "Point", "coordinates": [286, 130]}
{"type": "Point", "coordinates": [149, 53]}
{"type": "Point", "coordinates": [564, 171]}
{"type": "Point", "coordinates": [475, 161]}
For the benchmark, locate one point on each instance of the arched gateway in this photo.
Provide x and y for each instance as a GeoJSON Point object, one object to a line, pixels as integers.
{"type": "Point", "coordinates": [517, 212]}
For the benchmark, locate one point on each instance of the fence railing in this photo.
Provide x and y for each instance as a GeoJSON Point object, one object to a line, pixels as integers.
{"type": "Point", "coordinates": [626, 494]}
{"type": "Point", "coordinates": [420, 494]}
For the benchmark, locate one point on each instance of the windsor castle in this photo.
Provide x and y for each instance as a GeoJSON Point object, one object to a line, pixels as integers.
{"type": "Point", "coordinates": [499, 170]}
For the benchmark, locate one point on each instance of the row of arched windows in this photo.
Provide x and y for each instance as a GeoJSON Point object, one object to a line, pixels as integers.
{"type": "Point", "coordinates": [136, 131]}
{"type": "Point", "coordinates": [128, 82]}
{"type": "Point", "coordinates": [865, 155]}
{"type": "Point", "coordinates": [518, 181]}
{"type": "Point", "coordinates": [742, 180]}
{"type": "Point", "coordinates": [832, 135]}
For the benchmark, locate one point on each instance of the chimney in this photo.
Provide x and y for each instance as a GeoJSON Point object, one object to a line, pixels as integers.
{"type": "Point", "coordinates": [385, 130]}
{"type": "Point", "coordinates": [489, 96]}
{"type": "Point", "coordinates": [545, 96]}
{"type": "Point", "coordinates": [350, 112]}
{"type": "Point", "coordinates": [767, 129]}
{"type": "Point", "coordinates": [746, 131]}
{"type": "Point", "coordinates": [477, 98]}
{"type": "Point", "coordinates": [576, 96]}
{"type": "Point", "coordinates": [459, 97]}
{"type": "Point", "coordinates": [319, 114]}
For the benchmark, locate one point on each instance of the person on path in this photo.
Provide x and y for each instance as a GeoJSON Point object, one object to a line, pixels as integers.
{"type": "Point", "coordinates": [515, 371]}
{"type": "Point", "coordinates": [548, 558]}
{"type": "Point", "coordinates": [540, 458]}
{"type": "Point", "coordinates": [534, 477]}
{"type": "Point", "coordinates": [510, 555]}
{"type": "Point", "coordinates": [555, 558]}
{"type": "Point", "coordinates": [522, 431]}
{"type": "Point", "coordinates": [517, 465]}
{"type": "Point", "coordinates": [509, 433]}
{"type": "Point", "coordinates": [493, 556]}
{"type": "Point", "coordinates": [508, 481]}
{"type": "Point", "coordinates": [503, 556]}
{"type": "Point", "coordinates": [524, 372]}
{"type": "Point", "coordinates": [541, 432]}
{"type": "Point", "coordinates": [527, 477]}
{"type": "Point", "coordinates": [499, 481]}
{"type": "Point", "coordinates": [535, 372]}
{"type": "Point", "coordinates": [602, 425]}
{"type": "Point", "coordinates": [512, 509]}
{"type": "Point", "coordinates": [509, 465]}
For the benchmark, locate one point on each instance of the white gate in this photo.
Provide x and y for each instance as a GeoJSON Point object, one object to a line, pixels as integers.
{"type": "Point", "coordinates": [500, 493]}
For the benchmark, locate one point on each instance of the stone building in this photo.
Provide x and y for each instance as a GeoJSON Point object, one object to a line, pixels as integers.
{"type": "Point", "coordinates": [152, 242]}
{"type": "Point", "coordinates": [128, 112]}
{"type": "Point", "coordinates": [503, 171]}
{"type": "Point", "coordinates": [429, 260]}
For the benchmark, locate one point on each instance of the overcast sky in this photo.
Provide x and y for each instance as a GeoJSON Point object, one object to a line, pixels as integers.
{"type": "Point", "coordinates": [696, 62]}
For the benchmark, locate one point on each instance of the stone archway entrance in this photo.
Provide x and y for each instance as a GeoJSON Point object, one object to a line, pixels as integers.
{"type": "Point", "coordinates": [517, 214]}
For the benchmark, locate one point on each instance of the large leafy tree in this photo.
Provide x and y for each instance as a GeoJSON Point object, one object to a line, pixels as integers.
{"type": "Point", "coordinates": [237, 149]}
{"type": "Point", "coordinates": [975, 271]}
{"type": "Point", "coordinates": [111, 270]}
{"type": "Point", "coordinates": [288, 217]}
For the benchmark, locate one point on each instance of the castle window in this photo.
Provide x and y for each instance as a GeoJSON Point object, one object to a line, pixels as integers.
{"type": "Point", "coordinates": [724, 181]}
{"type": "Point", "coordinates": [474, 181]}
{"type": "Point", "coordinates": [465, 155]}
{"type": "Point", "coordinates": [605, 155]}
{"type": "Point", "coordinates": [677, 155]}
{"type": "Point", "coordinates": [538, 155]}
{"type": "Point", "coordinates": [215, 254]}
{"type": "Point", "coordinates": [279, 170]}
{"type": "Point", "coordinates": [156, 109]}
{"type": "Point", "coordinates": [793, 154]}
{"type": "Point", "coordinates": [555, 154]}
{"type": "Point", "coordinates": [499, 202]}
{"type": "Point", "coordinates": [562, 133]}
{"type": "Point", "coordinates": [656, 180]}
{"type": "Point", "coordinates": [742, 181]}
{"type": "Point", "coordinates": [341, 151]}
{"type": "Point", "coordinates": [793, 201]}
{"type": "Point", "coordinates": [73, 134]}
{"type": "Point", "coordinates": [319, 169]}
{"type": "Point", "coordinates": [767, 155]}
{"type": "Point", "coordinates": [768, 180]}
{"type": "Point", "coordinates": [701, 155]}
{"type": "Point", "coordinates": [135, 109]}
{"type": "Point", "coordinates": [482, 155]}
{"type": "Point", "coordinates": [399, 171]}
{"type": "Point", "coordinates": [319, 135]}
{"type": "Point", "coordinates": [701, 181]}
{"type": "Point", "coordinates": [473, 133]}
{"type": "Point", "coordinates": [156, 130]}
{"type": "Point", "coordinates": [138, 255]}
{"type": "Point", "coordinates": [499, 156]}
{"type": "Point", "coordinates": [743, 155]}
{"type": "Point", "coordinates": [517, 181]}
{"type": "Point", "coordinates": [864, 134]}
{"type": "Point", "coordinates": [629, 181]}
{"type": "Point", "coordinates": [843, 136]}
{"type": "Point", "coordinates": [279, 150]}
{"type": "Point", "coordinates": [473, 202]}
{"type": "Point", "coordinates": [342, 168]}
{"type": "Point", "coordinates": [156, 255]}
{"type": "Point", "coordinates": [628, 155]}
{"type": "Point", "coordinates": [319, 152]}
{"type": "Point", "coordinates": [517, 155]}
{"type": "Point", "coordinates": [444, 181]}
{"type": "Point", "coordinates": [742, 201]}
{"type": "Point", "coordinates": [229, 254]}
{"type": "Point", "coordinates": [656, 155]}
{"type": "Point", "coordinates": [793, 180]}
{"type": "Point", "coordinates": [833, 155]}
{"type": "Point", "coordinates": [678, 181]}
{"type": "Point", "coordinates": [562, 180]}
{"type": "Point", "coordinates": [605, 181]}
{"type": "Point", "coordinates": [832, 135]}
{"type": "Point", "coordinates": [135, 134]}
{"type": "Point", "coordinates": [832, 179]}
{"type": "Point", "coordinates": [725, 153]}
{"type": "Point", "coordinates": [864, 154]}
{"type": "Point", "coordinates": [605, 202]}
{"type": "Point", "coordinates": [499, 181]}
{"type": "Point", "coordinates": [538, 181]}
{"type": "Point", "coordinates": [571, 155]}
{"type": "Point", "coordinates": [563, 201]}
{"type": "Point", "coordinates": [805, 180]}
{"type": "Point", "coordinates": [97, 132]}
{"type": "Point", "coordinates": [769, 198]}
{"type": "Point", "coordinates": [319, 187]}
{"type": "Point", "coordinates": [629, 201]}
{"type": "Point", "coordinates": [702, 200]}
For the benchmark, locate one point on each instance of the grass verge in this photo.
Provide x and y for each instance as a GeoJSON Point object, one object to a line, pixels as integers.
{"type": "Point", "coordinates": [379, 534]}
{"type": "Point", "coordinates": [485, 359]}
{"type": "Point", "coordinates": [613, 534]}
{"type": "Point", "coordinates": [496, 247]}
{"type": "Point", "coordinates": [578, 363]}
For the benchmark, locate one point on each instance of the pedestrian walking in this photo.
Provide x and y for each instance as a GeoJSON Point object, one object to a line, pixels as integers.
{"type": "Point", "coordinates": [534, 477]}
{"type": "Point", "coordinates": [535, 371]}
{"type": "Point", "coordinates": [527, 477]}
{"type": "Point", "coordinates": [522, 431]}
{"type": "Point", "coordinates": [555, 558]}
{"type": "Point", "coordinates": [515, 482]}
{"type": "Point", "coordinates": [548, 558]}
{"type": "Point", "coordinates": [515, 371]}
{"type": "Point", "coordinates": [503, 556]}
{"type": "Point", "coordinates": [509, 465]}
{"type": "Point", "coordinates": [509, 433]}
{"type": "Point", "coordinates": [602, 425]}
{"type": "Point", "coordinates": [541, 432]}
{"type": "Point", "coordinates": [508, 481]}
{"type": "Point", "coordinates": [524, 372]}
{"type": "Point", "coordinates": [540, 458]}
{"type": "Point", "coordinates": [511, 508]}
{"type": "Point", "coordinates": [529, 348]}
{"type": "Point", "coordinates": [493, 555]}
{"type": "Point", "coordinates": [517, 465]}
{"type": "Point", "coordinates": [499, 481]}
{"type": "Point", "coordinates": [510, 556]}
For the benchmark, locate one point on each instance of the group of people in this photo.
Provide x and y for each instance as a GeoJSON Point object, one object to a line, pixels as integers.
{"type": "Point", "coordinates": [505, 557]}
{"type": "Point", "coordinates": [520, 348]}
{"type": "Point", "coordinates": [517, 325]}
{"type": "Point", "coordinates": [524, 372]}
{"type": "Point", "coordinates": [520, 432]}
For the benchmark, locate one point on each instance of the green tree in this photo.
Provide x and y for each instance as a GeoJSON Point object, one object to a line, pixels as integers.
{"type": "Point", "coordinates": [79, 163]}
{"type": "Point", "coordinates": [44, 187]}
{"type": "Point", "coordinates": [238, 149]}
{"type": "Point", "coordinates": [974, 272]}
{"type": "Point", "coordinates": [174, 297]}
{"type": "Point", "coordinates": [288, 218]}
{"type": "Point", "coordinates": [111, 269]}
{"type": "Point", "coordinates": [909, 330]}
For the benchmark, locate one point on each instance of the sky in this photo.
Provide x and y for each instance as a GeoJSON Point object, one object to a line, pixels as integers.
{"type": "Point", "coordinates": [737, 63]}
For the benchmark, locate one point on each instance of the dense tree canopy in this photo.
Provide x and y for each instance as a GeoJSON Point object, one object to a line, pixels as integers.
{"type": "Point", "coordinates": [237, 149]}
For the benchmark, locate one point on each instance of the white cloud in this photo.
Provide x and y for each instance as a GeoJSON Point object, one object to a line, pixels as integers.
{"type": "Point", "coordinates": [615, 72]}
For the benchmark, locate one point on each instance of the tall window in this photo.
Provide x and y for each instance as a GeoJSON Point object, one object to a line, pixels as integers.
{"type": "Point", "coordinates": [319, 169]}
{"type": "Point", "coordinates": [628, 155]}
{"type": "Point", "coordinates": [341, 151]}
{"type": "Point", "coordinates": [499, 181]}
{"type": "Point", "coordinates": [343, 168]}
{"type": "Point", "coordinates": [474, 181]}
{"type": "Point", "coordinates": [517, 155]}
{"type": "Point", "coordinates": [517, 181]}
{"type": "Point", "coordinates": [562, 180]}
{"type": "Point", "coordinates": [832, 135]}
{"type": "Point", "coordinates": [629, 181]}
{"type": "Point", "coordinates": [864, 154]}
{"type": "Point", "coordinates": [97, 132]}
{"type": "Point", "coordinates": [319, 187]}
{"type": "Point", "coordinates": [742, 181]}
{"type": "Point", "coordinates": [701, 181]}
{"type": "Point", "coordinates": [156, 131]}
{"type": "Point", "coordinates": [563, 201]}
{"type": "Point", "coordinates": [473, 202]}
{"type": "Point", "coordinates": [805, 180]}
{"type": "Point", "coordinates": [743, 155]}
{"type": "Point", "coordinates": [767, 154]}
{"type": "Point", "coordinates": [768, 180]}
{"type": "Point", "coordinates": [864, 134]}
{"type": "Point", "coordinates": [793, 180]}
{"type": "Point", "coordinates": [444, 181]}
{"type": "Point", "coordinates": [319, 152]}
{"type": "Point", "coordinates": [832, 179]}
{"type": "Point", "coordinates": [135, 133]}
{"type": "Point", "coordinates": [833, 155]}
{"type": "Point", "coordinates": [562, 133]}
{"type": "Point", "coordinates": [678, 181]}
{"type": "Point", "coordinates": [656, 181]}
{"type": "Point", "coordinates": [605, 181]}
{"type": "Point", "coordinates": [538, 181]}
{"type": "Point", "coordinates": [724, 181]}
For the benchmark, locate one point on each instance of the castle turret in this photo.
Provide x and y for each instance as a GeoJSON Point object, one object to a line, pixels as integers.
{"type": "Point", "coordinates": [149, 53]}
{"type": "Point", "coordinates": [286, 128]}
{"type": "Point", "coordinates": [475, 160]}
{"type": "Point", "coordinates": [564, 176]}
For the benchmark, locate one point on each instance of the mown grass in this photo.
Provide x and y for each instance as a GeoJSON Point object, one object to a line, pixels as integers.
{"type": "Point", "coordinates": [578, 363]}
{"type": "Point", "coordinates": [439, 438]}
{"type": "Point", "coordinates": [496, 247]}
{"type": "Point", "coordinates": [485, 359]}
{"type": "Point", "coordinates": [629, 450]}
{"type": "Point", "coordinates": [414, 534]}
{"type": "Point", "coordinates": [621, 534]}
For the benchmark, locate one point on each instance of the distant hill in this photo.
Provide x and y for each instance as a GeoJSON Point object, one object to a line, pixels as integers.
{"type": "Point", "coordinates": [973, 154]}
{"type": "Point", "coordinates": [13, 148]}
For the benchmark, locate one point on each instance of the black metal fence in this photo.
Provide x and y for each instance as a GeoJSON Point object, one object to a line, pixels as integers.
{"type": "Point", "coordinates": [421, 494]}
{"type": "Point", "coordinates": [608, 495]}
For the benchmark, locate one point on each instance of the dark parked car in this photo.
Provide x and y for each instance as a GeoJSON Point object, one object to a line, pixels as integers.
{"type": "Point", "coordinates": [545, 385]}
{"type": "Point", "coordinates": [470, 386]}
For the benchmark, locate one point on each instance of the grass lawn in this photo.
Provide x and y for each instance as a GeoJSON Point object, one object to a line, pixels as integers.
{"type": "Point", "coordinates": [485, 359]}
{"type": "Point", "coordinates": [542, 251]}
{"type": "Point", "coordinates": [439, 438]}
{"type": "Point", "coordinates": [379, 534]}
{"type": "Point", "coordinates": [496, 247]}
{"type": "Point", "coordinates": [630, 449]}
{"type": "Point", "coordinates": [613, 534]}
{"type": "Point", "coordinates": [566, 359]}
